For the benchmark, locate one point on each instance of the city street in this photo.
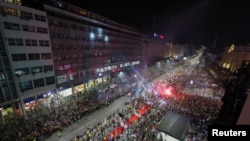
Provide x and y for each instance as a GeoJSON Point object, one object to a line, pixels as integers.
{"type": "Point", "coordinates": [100, 115]}
{"type": "Point", "coordinates": [90, 120]}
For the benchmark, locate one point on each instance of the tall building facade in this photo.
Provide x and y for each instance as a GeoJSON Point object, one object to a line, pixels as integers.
{"type": "Point", "coordinates": [27, 69]}
{"type": "Point", "coordinates": [55, 50]}
{"type": "Point", "coordinates": [89, 49]}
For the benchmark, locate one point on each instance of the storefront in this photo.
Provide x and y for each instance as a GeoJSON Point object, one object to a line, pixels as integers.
{"type": "Point", "coordinates": [90, 84]}
{"type": "Point", "coordinates": [65, 93]}
{"type": "Point", "coordinates": [6, 113]}
{"type": "Point", "coordinates": [78, 88]}
{"type": "Point", "coordinates": [29, 103]}
{"type": "Point", "coordinates": [98, 80]}
{"type": "Point", "coordinates": [45, 99]}
{"type": "Point", "coordinates": [105, 78]}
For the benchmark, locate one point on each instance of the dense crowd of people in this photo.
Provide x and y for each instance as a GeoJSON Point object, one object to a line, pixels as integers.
{"type": "Point", "coordinates": [37, 129]}
{"type": "Point", "coordinates": [164, 94]}
{"type": "Point", "coordinates": [201, 110]}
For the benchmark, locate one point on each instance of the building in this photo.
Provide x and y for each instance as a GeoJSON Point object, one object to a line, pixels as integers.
{"type": "Point", "coordinates": [89, 49]}
{"type": "Point", "coordinates": [233, 56]}
{"type": "Point", "coordinates": [236, 98]}
{"type": "Point", "coordinates": [27, 69]}
{"type": "Point", "coordinates": [55, 50]}
{"type": "Point", "coordinates": [153, 51]}
{"type": "Point", "coordinates": [178, 50]}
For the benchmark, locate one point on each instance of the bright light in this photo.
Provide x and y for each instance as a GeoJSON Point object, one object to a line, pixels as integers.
{"type": "Point", "coordinates": [106, 38]}
{"type": "Point", "coordinates": [91, 36]}
{"type": "Point", "coordinates": [191, 82]}
{"type": "Point", "coordinates": [167, 91]}
{"type": "Point", "coordinates": [99, 31]}
{"type": "Point", "coordinates": [161, 37]}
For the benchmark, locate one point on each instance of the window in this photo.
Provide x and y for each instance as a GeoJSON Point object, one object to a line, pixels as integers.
{"type": "Point", "coordinates": [29, 42]}
{"type": "Point", "coordinates": [7, 94]}
{"type": "Point", "coordinates": [25, 85]}
{"type": "Point", "coordinates": [10, 11]}
{"type": "Point", "coordinates": [36, 69]}
{"type": "Point", "coordinates": [14, 42]}
{"type": "Point", "coordinates": [22, 71]}
{"type": "Point", "coordinates": [29, 28]}
{"type": "Point", "coordinates": [33, 42]}
{"type": "Point", "coordinates": [19, 57]}
{"type": "Point", "coordinates": [19, 42]}
{"type": "Point", "coordinates": [41, 30]}
{"type": "Point", "coordinates": [12, 26]}
{"type": "Point", "coordinates": [44, 43]}
{"type": "Point", "coordinates": [46, 56]}
{"type": "Point", "coordinates": [11, 41]}
{"type": "Point", "coordinates": [2, 76]}
{"type": "Point", "coordinates": [18, 2]}
{"type": "Point", "coordinates": [61, 79]}
{"type": "Point", "coordinates": [47, 68]}
{"type": "Point", "coordinates": [40, 18]}
{"type": "Point", "coordinates": [34, 56]}
{"type": "Point", "coordinates": [50, 80]}
{"type": "Point", "coordinates": [38, 82]}
{"type": "Point", "coordinates": [26, 15]}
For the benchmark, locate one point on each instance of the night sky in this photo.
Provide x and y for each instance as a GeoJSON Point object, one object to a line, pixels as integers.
{"type": "Point", "coordinates": [195, 22]}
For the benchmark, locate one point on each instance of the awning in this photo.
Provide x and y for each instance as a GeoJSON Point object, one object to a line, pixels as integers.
{"type": "Point", "coordinates": [175, 125]}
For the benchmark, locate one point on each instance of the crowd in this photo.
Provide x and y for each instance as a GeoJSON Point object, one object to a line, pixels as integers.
{"type": "Point", "coordinates": [37, 129]}
{"type": "Point", "coordinates": [201, 110]}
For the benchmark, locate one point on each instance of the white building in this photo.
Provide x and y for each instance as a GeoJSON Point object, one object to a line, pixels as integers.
{"type": "Point", "coordinates": [26, 48]}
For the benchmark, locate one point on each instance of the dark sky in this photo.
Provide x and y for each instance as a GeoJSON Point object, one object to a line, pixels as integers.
{"type": "Point", "coordinates": [195, 22]}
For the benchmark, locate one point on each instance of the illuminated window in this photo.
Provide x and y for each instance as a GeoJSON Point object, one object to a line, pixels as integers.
{"type": "Point", "coordinates": [18, 2]}
{"type": "Point", "coordinates": [106, 38]}
{"type": "Point", "coordinates": [99, 31]}
{"type": "Point", "coordinates": [22, 71]}
{"type": "Point", "coordinates": [231, 48]}
{"type": "Point", "coordinates": [91, 36]}
{"type": "Point", "coordinates": [36, 69]}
